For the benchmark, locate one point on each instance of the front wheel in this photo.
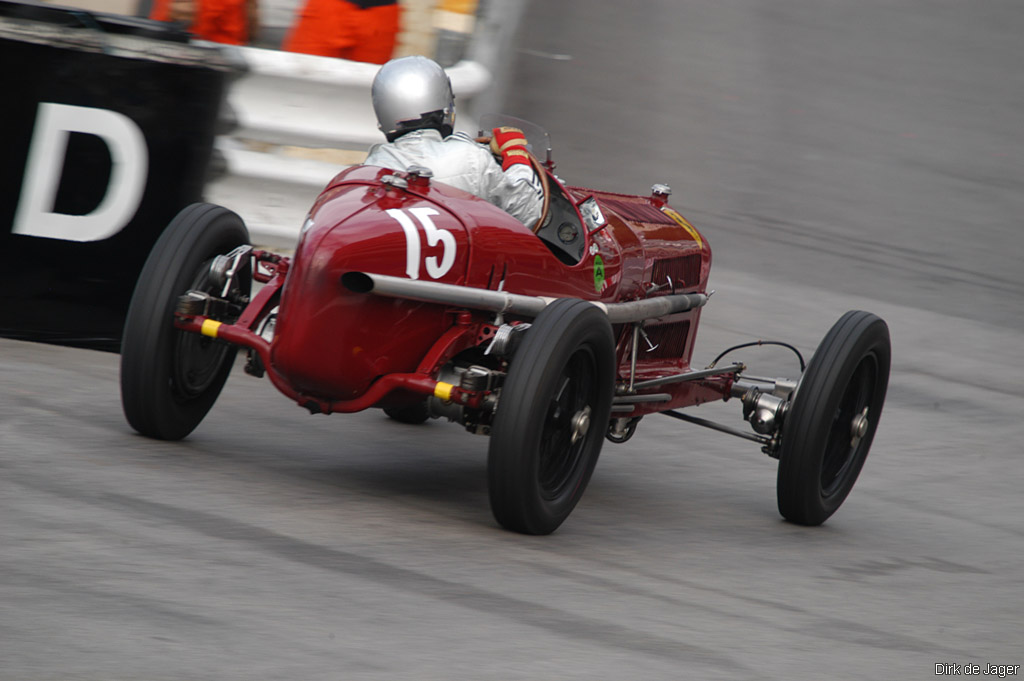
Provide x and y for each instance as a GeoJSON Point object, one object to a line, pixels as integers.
{"type": "Point", "coordinates": [551, 418]}
{"type": "Point", "coordinates": [170, 378]}
{"type": "Point", "coordinates": [832, 420]}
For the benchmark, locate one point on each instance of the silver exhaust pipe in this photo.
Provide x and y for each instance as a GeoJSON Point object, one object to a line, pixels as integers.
{"type": "Point", "coordinates": [511, 303]}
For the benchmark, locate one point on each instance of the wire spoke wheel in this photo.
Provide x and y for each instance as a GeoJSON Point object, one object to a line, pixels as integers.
{"type": "Point", "coordinates": [171, 378]}
{"type": "Point", "coordinates": [198, 360]}
{"type": "Point", "coordinates": [832, 420]}
{"type": "Point", "coordinates": [552, 415]}
{"type": "Point", "coordinates": [843, 446]}
{"type": "Point", "coordinates": [567, 424]}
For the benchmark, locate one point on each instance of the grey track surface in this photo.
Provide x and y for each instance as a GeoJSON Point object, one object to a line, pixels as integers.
{"type": "Point", "coordinates": [837, 156]}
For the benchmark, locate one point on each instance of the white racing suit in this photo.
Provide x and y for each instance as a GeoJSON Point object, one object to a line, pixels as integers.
{"type": "Point", "coordinates": [461, 162]}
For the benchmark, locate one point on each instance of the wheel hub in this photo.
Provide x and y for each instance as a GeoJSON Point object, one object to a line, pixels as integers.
{"type": "Point", "coordinates": [859, 427]}
{"type": "Point", "coordinates": [580, 424]}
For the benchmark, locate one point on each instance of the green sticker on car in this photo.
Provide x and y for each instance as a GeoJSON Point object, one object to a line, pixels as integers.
{"type": "Point", "coordinates": [598, 273]}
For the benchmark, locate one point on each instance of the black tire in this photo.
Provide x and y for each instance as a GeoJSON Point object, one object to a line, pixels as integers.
{"type": "Point", "coordinates": [842, 391]}
{"type": "Point", "coordinates": [171, 378]}
{"type": "Point", "coordinates": [413, 414]}
{"type": "Point", "coordinates": [564, 370]}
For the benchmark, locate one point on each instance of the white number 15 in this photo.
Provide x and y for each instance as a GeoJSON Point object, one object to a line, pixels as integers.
{"type": "Point", "coordinates": [434, 234]}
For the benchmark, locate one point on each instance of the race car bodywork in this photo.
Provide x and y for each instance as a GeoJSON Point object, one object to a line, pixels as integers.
{"type": "Point", "coordinates": [408, 295]}
{"type": "Point", "coordinates": [427, 232]}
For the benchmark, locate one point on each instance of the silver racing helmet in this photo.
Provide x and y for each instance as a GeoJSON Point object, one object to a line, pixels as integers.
{"type": "Point", "coordinates": [410, 93]}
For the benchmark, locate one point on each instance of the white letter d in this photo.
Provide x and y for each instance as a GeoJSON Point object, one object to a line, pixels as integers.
{"type": "Point", "coordinates": [128, 169]}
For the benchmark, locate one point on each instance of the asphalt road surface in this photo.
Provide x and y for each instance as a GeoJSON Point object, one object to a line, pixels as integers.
{"type": "Point", "coordinates": [837, 156]}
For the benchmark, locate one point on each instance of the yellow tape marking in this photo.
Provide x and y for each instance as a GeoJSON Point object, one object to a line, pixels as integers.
{"type": "Point", "coordinates": [443, 391]}
{"type": "Point", "coordinates": [684, 224]}
{"type": "Point", "coordinates": [210, 327]}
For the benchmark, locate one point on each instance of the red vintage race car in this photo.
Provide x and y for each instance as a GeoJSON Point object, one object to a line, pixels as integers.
{"type": "Point", "coordinates": [411, 296]}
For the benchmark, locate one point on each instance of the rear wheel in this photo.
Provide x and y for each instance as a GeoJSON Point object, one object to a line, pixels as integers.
{"type": "Point", "coordinates": [832, 421]}
{"type": "Point", "coordinates": [413, 414]}
{"type": "Point", "coordinates": [551, 419]}
{"type": "Point", "coordinates": [171, 378]}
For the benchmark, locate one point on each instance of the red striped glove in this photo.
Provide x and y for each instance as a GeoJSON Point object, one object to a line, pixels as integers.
{"type": "Point", "coordinates": [510, 145]}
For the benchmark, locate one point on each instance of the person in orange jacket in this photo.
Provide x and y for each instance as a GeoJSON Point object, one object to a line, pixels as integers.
{"type": "Point", "coordinates": [234, 22]}
{"type": "Point", "coordinates": [360, 30]}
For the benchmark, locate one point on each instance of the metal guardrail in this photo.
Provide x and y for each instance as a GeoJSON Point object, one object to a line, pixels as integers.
{"type": "Point", "coordinates": [321, 102]}
{"type": "Point", "coordinates": [300, 119]}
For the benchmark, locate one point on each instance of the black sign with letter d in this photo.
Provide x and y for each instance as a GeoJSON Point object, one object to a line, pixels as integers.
{"type": "Point", "coordinates": [108, 125]}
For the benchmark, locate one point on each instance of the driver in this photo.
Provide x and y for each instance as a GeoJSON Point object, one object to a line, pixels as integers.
{"type": "Point", "coordinates": [415, 107]}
